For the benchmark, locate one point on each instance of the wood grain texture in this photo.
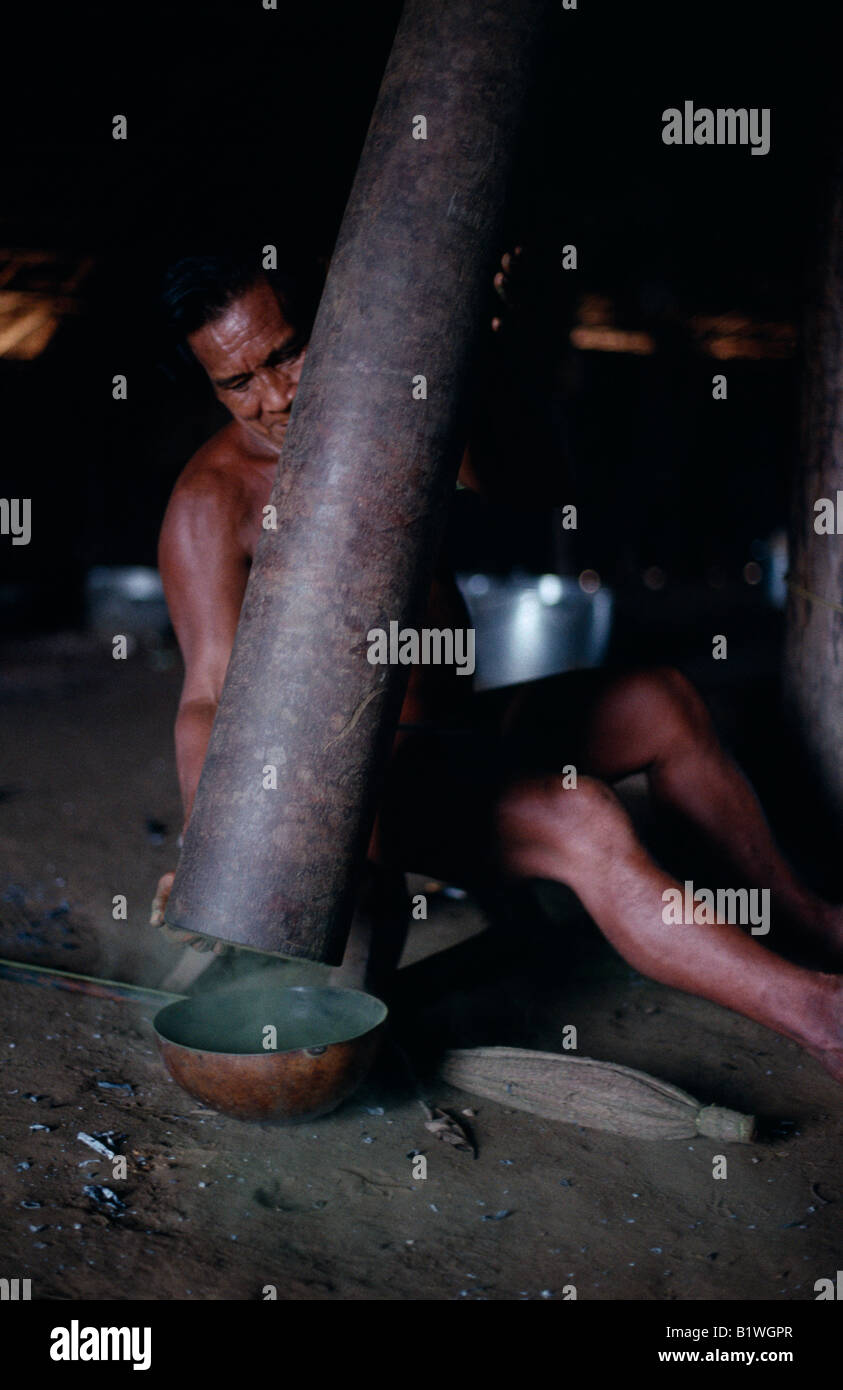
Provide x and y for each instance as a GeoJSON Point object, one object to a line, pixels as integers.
{"type": "Point", "coordinates": [361, 496]}
{"type": "Point", "coordinates": [814, 638]}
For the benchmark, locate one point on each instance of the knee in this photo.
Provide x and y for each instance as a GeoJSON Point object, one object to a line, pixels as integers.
{"type": "Point", "coordinates": [541, 821]}
{"type": "Point", "coordinates": [672, 706]}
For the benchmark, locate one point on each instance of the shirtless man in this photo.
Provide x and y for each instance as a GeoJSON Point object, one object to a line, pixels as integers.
{"type": "Point", "coordinates": [474, 790]}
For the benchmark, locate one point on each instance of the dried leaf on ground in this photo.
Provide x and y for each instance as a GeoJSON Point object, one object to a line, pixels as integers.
{"type": "Point", "coordinates": [450, 1132]}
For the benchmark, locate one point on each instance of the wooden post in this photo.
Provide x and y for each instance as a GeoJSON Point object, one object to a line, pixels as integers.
{"type": "Point", "coordinates": [814, 639]}
{"type": "Point", "coordinates": [369, 465]}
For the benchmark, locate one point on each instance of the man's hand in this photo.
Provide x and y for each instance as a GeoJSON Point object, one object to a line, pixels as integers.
{"type": "Point", "coordinates": [175, 934]}
{"type": "Point", "coordinates": [508, 287]}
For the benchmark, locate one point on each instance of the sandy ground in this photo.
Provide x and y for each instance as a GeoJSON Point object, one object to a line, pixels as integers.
{"type": "Point", "coordinates": [215, 1208]}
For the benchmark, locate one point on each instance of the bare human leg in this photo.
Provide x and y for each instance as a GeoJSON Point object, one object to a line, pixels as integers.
{"type": "Point", "coordinates": [582, 837]}
{"type": "Point", "coordinates": [655, 722]}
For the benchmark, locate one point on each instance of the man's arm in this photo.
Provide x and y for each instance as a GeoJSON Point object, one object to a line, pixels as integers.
{"type": "Point", "coordinates": [204, 568]}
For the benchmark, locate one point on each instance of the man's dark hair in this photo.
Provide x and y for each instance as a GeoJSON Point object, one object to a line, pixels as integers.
{"type": "Point", "coordinates": [197, 290]}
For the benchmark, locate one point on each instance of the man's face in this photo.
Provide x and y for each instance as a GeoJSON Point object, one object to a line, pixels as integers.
{"type": "Point", "coordinates": [254, 360]}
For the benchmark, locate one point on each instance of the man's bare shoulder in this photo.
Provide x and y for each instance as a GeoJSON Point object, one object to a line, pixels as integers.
{"type": "Point", "coordinates": [218, 473]}
{"type": "Point", "coordinates": [215, 506]}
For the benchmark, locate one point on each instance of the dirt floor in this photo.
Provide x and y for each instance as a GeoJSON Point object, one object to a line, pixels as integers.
{"type": "Point", "coordinates": [214, 1208]}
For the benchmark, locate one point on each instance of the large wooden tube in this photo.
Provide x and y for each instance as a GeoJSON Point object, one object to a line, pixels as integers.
{"type": "Point", "coordinates": [367, 471]}
{"type": "Point", "coordinates": [814, 642]}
